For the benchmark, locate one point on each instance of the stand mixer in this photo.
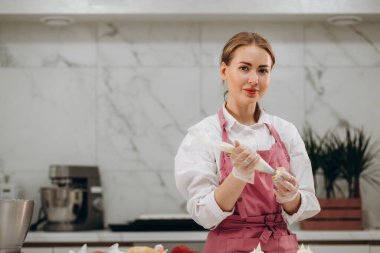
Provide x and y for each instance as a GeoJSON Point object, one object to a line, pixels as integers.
{"type": "Point", "coordinates": [76, 204]}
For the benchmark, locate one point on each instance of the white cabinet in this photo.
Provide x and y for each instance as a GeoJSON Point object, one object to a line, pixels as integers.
{"type": "Point", "coordinates": [37, 250]}
{"type": "Point", "coordinates": [340, 248]}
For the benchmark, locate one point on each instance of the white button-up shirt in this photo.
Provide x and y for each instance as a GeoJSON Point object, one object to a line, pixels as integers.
{"type": "Point", "coordinates": [197, 166]}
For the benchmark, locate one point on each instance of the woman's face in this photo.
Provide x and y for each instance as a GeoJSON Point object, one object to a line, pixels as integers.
{"type": "Point", "coordinates": [248, 74]}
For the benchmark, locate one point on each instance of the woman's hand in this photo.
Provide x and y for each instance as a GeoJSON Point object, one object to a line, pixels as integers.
{"type": "Point", "coordinates": [285, 187]}
{"type": "Point", "coordinates": [244, 162]}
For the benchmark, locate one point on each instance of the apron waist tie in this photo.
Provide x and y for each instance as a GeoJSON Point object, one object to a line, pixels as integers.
{"type": "Point", "coordinates": [265, 235]}
{"type": "Point", "coordinates": [269, 224]}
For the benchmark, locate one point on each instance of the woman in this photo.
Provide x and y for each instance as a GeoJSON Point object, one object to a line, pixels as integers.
{"type": "Point", "coordinates": [243, 207]}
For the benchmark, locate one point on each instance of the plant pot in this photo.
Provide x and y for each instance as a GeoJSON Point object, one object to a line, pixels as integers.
{"type": "Point", "coordinates": [336, 214]}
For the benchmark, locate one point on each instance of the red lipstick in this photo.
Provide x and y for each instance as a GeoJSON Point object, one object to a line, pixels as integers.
{"type": "Point", "coordinates": [251, 91]}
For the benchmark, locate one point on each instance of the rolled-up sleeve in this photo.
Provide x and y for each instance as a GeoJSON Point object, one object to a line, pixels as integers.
{"type": "Point", "coordinates": [300, 167]}
{"type": "Point", "coordinates": [196, 178]}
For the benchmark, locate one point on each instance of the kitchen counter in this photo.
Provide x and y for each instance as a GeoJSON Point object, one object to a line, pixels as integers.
{"type": "Point", "coordinates": [328, 237]}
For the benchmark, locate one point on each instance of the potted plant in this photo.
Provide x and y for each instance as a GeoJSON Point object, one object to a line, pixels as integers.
{"type": "Point", "coordinates": [340, 159]}
{"type": "Point", "coordinates": [313, 147]}
{"type": "Point", "coordinates": [331, 159]}
{"type": "Point", "coordinates": [323, 154]}
{"type": "Point", "coordinates": [359, 156]}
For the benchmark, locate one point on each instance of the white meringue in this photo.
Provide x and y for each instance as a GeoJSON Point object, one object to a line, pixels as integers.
{"type": "Point", "coordinates": [303, 250]}
{"type": "Point", "coordinates": [114, 249]}
{"type": "Point", "coordinates": [160, 248]}
{"type": "Point", "coordinates": [83, 249]}
{"type": "Point", "coordinates": [257, 250]}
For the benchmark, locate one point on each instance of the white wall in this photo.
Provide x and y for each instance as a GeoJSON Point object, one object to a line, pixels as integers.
{"type": "Point", "coordinates": [121, 96]}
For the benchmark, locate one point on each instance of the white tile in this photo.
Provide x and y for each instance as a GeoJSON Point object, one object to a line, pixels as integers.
{"type": "Point", "coordinates": [47, 117]}
{"type": "Point", "coordinates": [36, 45]}
{"type": "Point", "coordinates": [339, 96]}
{"type": "Point", "coordinates": [31, 183]}
{"type": "Point", "coordinates": [327, 45]}
{"type": "Point", "coordinates": [286, 40]}
{"type": "Point", "coordinates": [143, 115]}
{"type": "Point", "coordinates": [212, 90]}
{"type": "Point", "coordinates": [156, 80]}
{"type": "Point", "coordinates": [148, 44]}
{"type": "Point", "coordinates": [285, 97]}
{"type": "Point", "coordinates": [129, 194]}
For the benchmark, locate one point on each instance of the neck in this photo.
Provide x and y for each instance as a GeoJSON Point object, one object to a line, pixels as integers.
{"type": "Point", "coordinates": [242, 113]}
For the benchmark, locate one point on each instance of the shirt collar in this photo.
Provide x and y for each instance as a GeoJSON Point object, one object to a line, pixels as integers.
{"type": "Point", "coordinates": [231, 121]}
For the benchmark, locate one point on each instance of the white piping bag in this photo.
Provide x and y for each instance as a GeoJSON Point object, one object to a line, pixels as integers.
{"type": "Point", "coordinates": [262, 165]}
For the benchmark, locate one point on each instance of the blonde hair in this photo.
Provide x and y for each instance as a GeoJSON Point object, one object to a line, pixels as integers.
{"type": "Point", "coordinates": [245, 39]}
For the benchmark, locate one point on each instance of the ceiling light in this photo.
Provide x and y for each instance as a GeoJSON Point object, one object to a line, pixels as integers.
{"type": "Point", "coordinates": [344, 20]}
{"type": "Point", "coordinates": [57, 20]}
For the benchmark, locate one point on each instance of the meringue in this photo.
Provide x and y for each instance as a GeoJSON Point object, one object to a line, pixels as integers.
{"type": "Point", "coordinates": [114, 249]}
{"type": "Point", "coordinates": [82, 250]}
{"type": "Point", "coordinates": [160, 248]}
{"type": "Point", "coordinates": [303, 250]}
{"type": "Point", "coordinates": [257, 250]}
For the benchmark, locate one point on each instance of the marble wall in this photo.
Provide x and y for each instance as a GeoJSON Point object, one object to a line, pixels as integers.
{"type": "Point", "coordinates": [122, 95]}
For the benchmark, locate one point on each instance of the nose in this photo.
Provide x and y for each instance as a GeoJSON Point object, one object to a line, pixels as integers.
{"type": "Point", "coordinates": [253, 78]}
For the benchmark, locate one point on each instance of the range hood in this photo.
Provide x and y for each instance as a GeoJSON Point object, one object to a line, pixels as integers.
{"type": "Point", "coordinates": [197, 10]}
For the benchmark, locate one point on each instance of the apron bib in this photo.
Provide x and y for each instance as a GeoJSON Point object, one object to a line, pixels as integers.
{"type": "Point", "coordinates": [257, 216]}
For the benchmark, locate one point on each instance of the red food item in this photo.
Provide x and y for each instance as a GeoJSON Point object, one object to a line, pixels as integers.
{"type": "Point", "coordinates": [182, 249]}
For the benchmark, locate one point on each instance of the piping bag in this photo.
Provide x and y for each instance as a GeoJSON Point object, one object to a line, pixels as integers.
{"type": "Point", "coordinates": [262, 165]}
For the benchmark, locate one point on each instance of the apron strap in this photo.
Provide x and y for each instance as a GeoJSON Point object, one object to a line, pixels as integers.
{"type": "Point", "coordinates": [223, 125]}
{"type": "Point", "coordinates": [277, 138]}
{"type": "Point", "coordinates": [223, 155]}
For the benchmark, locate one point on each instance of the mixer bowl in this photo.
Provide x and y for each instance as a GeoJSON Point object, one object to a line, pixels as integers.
{"type": "Point", "coordinates": [62, 204]}
{"type": "Point", "coordinates": [15, 217]}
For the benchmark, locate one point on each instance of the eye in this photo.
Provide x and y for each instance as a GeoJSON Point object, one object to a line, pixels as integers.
{"type": "Point", "coordinates": [244, 68]}
{"type": "Point", "coordinates": [263, 71]}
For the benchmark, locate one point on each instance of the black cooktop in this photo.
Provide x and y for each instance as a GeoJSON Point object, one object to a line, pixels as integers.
{"type": "Point", "coordinates": [158, 225]}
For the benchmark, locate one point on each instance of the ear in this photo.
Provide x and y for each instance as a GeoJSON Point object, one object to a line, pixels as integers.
{"type": "Point", "coordinates": [223, 68]}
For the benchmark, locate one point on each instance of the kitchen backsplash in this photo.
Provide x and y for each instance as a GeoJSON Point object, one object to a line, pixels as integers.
{"type": "Point", "coordinates": [122, 95]}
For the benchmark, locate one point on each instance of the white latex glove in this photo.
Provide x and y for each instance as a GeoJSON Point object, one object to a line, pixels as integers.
{"type": "Point", "coordinates": [286, 187]}
{"type": "Point", "coordinates": [244, 162]}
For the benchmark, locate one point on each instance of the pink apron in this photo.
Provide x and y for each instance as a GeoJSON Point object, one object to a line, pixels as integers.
{"type": "Point", "coordinates": [257, 216]}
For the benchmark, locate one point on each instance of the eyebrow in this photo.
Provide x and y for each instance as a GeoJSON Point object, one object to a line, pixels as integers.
{"type": "Point", "coordinates": [249, 64]}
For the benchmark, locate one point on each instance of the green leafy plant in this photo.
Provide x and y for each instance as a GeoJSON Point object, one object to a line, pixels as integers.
{"type": "Point", "coordinates": [325, 154]}
{"type": "Point", "coordinates": [340, 157]}
{"type": "Point", "coordinates": [331, 161]}
{"type": "Point", "coordinates": [313, 147]}
{"type": "Point", "coordinates": [359, 155]}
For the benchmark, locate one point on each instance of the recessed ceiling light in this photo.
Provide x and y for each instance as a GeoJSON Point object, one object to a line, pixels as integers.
{"type": "Point", "coordinates": [57, 20]}
{"type": "Point", "coordinates": [344, 20]}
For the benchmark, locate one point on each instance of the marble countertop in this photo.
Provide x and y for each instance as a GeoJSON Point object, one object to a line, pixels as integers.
{"type": "Point", "coordinates": [197, 236]}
